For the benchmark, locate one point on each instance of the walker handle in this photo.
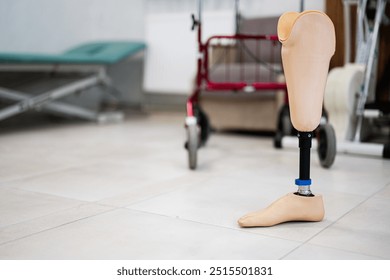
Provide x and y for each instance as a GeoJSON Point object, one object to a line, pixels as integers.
{"type": "Point", "coordinates": [195, 22]}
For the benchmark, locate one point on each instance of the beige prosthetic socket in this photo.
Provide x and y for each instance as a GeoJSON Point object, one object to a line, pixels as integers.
{"type": "Point", "coordinates": [308, 43]}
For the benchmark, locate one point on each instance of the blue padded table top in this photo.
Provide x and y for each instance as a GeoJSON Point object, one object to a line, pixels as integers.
{"type": "Point", "coordinates": [106, 52]}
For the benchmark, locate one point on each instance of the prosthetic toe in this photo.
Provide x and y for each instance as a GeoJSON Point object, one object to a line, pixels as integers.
{"type": "Point", "coordinates": [290, 207]}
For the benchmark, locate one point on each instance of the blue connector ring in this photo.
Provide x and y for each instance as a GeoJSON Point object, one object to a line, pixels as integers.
{"type": "Point", "coordinates": [300, 182]}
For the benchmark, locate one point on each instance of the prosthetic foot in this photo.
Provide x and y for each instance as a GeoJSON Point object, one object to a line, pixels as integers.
{"type": "Point", "coordinates": [291, 207]}
{"type": "Point", "coordinates": [308, 43]}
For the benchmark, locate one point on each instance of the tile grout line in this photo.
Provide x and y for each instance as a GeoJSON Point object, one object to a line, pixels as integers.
{"type": "Point", "coordinates": [207, 224]}
{"type": "Point", "coordinates": [113, 207]}
{"type": "Point", "coordinates": [343, 250]}
{"type": "Point", "coordinates": [66, 167]}
{"type": "Point", "coordinates": [162, 193]}
{"type": "Point", "coordinates": [46, 215]}
{"type": "Point", "coordinates": [44, 173]}
{"type": "Point", "coordinates": [58, 226]}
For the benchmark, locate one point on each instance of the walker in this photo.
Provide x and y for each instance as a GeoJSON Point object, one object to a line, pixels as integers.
{"type": "Point", "coordinates": [265, 75]}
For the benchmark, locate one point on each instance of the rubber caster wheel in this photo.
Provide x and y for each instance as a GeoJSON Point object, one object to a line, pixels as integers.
{"type": "Point", "coordinates": [192, 145]}
{"type": "Point", "coordinates": [278, 140]}
{"type": "Point", "coordinates": [285, 126]}
{"type": "Point", "coordinates": [386, 151]}
{"type": "Point", "coordinates": [204, 124]}
{"type": "Point", "coordinates": [326, 138]}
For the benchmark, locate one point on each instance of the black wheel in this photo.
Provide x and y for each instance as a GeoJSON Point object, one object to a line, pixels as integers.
{"type": "Point", "coordinates": [326, 138]}
{"type": "Point", "coordinates": [386, 151]}
{"type": "Point", "coordinates": [198, 131]}
{"type": "Point", "coordinates": [278, 140]}
{"type": "Point", "coordinates": [204, 124]}
{"type": "Point", "coordinates": [285, 126]}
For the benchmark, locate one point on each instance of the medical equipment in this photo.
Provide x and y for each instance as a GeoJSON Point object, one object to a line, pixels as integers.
{"type": "Point", "coordinates": [247, 63]}
{"type": "Point", "coordinates": [230, 70]}
{"type": "Point", "coordinates": [350, 90]}
{"type": "Point", "coordinates": [308, 43]}
{"type": "Point", "coordinates": [91, 59]}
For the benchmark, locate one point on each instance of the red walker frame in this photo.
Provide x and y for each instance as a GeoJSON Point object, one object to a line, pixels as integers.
{"type": "Point", "coordinates": [202, 73]}
{"type": "Point", "coordinates": [197, 122]}
{"type": "Point", "coordinates": [194, 125]}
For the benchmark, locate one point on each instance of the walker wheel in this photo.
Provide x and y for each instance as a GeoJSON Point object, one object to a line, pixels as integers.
{"type": "Point", "coordinates": [326, 138]}
{"type": "Point", "coordinates": [386, 151]}
{"type": "Point", "coordinates": [192, 145]}
{"type": "Point", "coordinates": [284, 126]}
{"type": "Point", "coordinates": [278, 140]}
{"type": "Point", "coordinates": [204, 126]}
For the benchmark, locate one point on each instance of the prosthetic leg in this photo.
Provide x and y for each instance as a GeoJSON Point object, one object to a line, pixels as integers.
{"type": "Point", "coordinates": [308, 43]}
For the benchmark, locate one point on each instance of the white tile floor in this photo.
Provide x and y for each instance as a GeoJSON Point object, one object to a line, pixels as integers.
{"type": "Point", "coordinates": [123, 191]}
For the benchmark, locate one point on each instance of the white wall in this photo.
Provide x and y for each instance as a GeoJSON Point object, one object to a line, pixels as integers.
{"type": "Point", "coordinates": [172, 52]}
{"type": "Point", "coordinates": [55, 25]}
{"type": "Point", "coordinates": [256, 8]}
{"type": "Point", "coordinates": [248, 7]}
{"type": "Point", "coordinates": [172, 47]}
